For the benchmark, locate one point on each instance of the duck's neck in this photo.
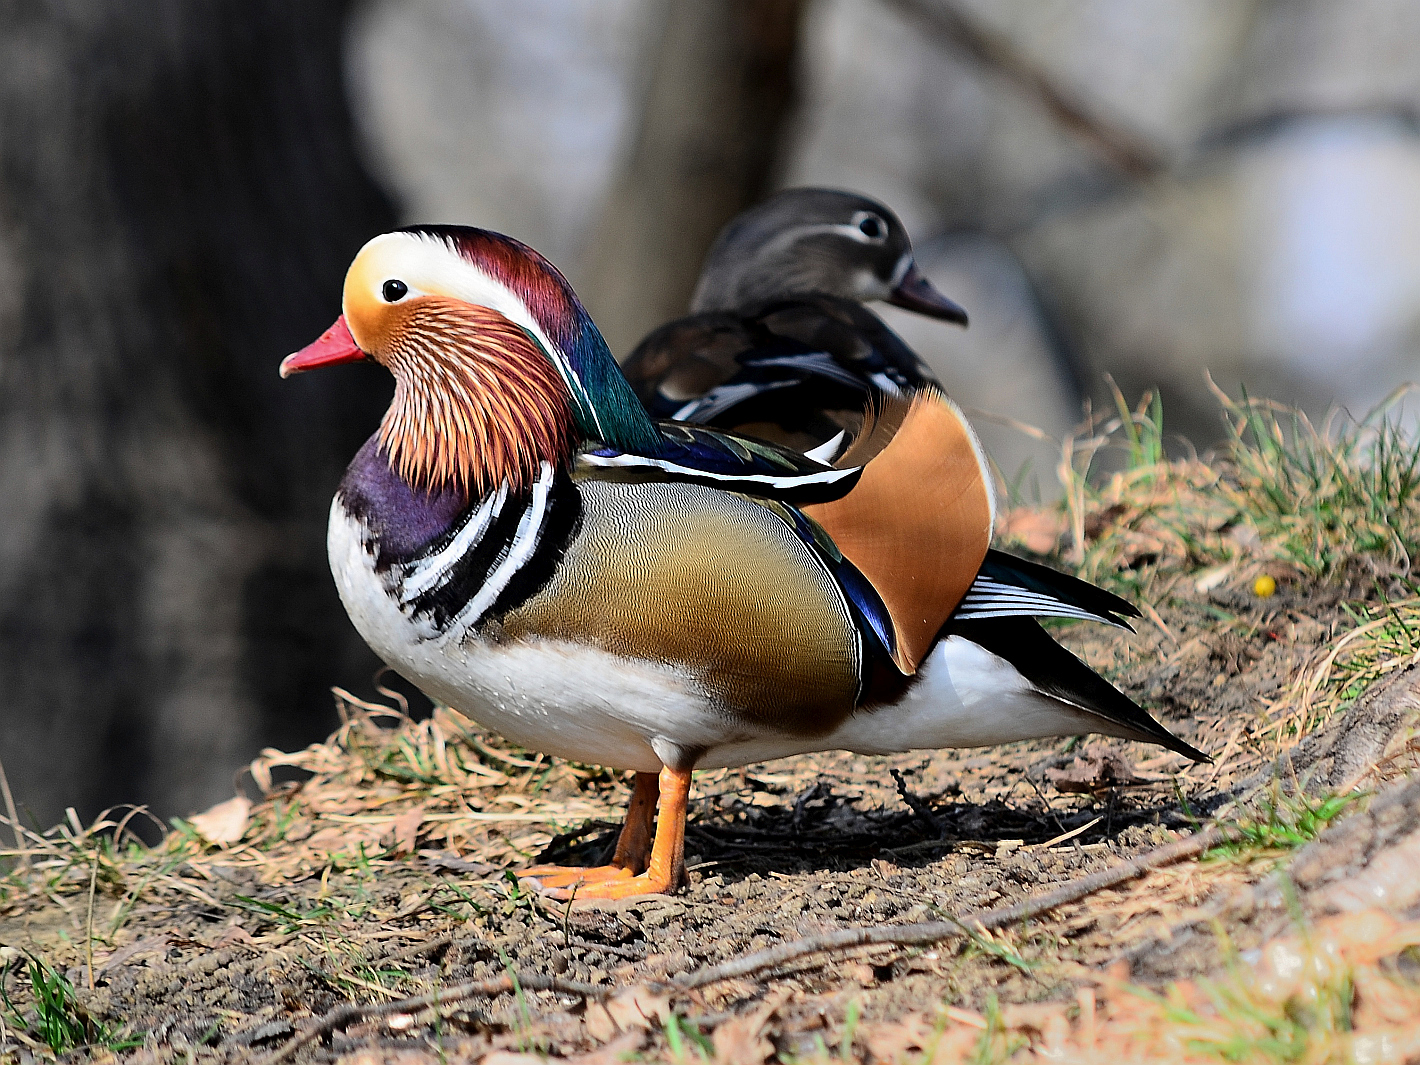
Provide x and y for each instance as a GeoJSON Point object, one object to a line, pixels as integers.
{"type": "Point", "coordinates": [401, 519]}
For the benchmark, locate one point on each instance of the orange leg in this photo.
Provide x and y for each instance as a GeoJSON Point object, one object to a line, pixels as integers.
{"type": "Point", "coordinates": [667, 869]}
{"type": "Point", "coordinates": [633, 846]}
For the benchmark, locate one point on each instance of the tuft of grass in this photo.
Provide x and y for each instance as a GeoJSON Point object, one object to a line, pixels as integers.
{"type": "Point", "coordinates": [1321, 495]}
{"type": "Point", "coordinates": [997, 1044]}
{"type": "Point", "coordinates": [1285, 821]}
{"type": "Point", "coordinates": [59, 1022]}
{"type": "Point", "coordinates": [979, 941]}
{"type": "Point", "coordinates": [286, 919]}
{"type": "Point", "coordinates": [1281, 489]}
{"type": "Point", "coordinates": [1226, 1020]}
{"type": "Point", "coordinates": [1386, 638]}
{"type": "Point", "coordinates": [682, 1034]}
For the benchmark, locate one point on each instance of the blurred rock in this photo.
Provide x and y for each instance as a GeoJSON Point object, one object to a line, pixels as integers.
{"type": "Point", "coordinates": [1313, 55]}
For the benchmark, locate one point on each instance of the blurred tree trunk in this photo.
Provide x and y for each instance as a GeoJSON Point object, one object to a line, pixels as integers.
{"type": "Point", "coordinates": [720, 88]}
{"type": "Point", "coordinates": [179, 198]}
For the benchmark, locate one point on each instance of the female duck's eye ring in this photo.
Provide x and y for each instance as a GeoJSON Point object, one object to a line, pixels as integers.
{"type": "Point", "coordinates": [871, 225]}
{"type": "Point", "coordinates": [394, 291]}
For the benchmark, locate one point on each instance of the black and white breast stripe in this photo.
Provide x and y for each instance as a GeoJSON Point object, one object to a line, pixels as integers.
{"type": "Point", "coordinates": [504, 552]}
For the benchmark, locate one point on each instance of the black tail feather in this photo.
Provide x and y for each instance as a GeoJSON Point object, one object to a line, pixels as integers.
{"type": "Point", "coordinates": [1055, 672]}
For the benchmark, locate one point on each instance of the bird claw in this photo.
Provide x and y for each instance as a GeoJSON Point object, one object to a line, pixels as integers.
{"type": "Point", "coordinates": [626, 887]}
{"type": "Point", "coordinates": [550, 879]}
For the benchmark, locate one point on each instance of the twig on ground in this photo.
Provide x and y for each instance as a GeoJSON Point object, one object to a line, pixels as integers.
{"type": "Point", "coordinates": [936, 931]}
{"type": "Point", "coordinates": [845, 939]}
{"type": "Point", "coordinates": [351, 1012]}
{"type": "Point", "coordinates": [918, 806]}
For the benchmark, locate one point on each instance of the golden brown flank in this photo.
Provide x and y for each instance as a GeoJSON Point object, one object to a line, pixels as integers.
{"type": "Point", "coordinates": [918, 522]}
{"type": "Point", "coordinates": [710, 582]}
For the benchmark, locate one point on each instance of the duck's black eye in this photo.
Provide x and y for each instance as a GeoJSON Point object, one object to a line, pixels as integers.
{"type": "Point", "coordinates": [394, 291]}
{"type": "Point", "coordinates": [872, 227]}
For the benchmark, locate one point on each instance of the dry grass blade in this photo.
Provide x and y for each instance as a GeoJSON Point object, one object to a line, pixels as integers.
{"type": "Point", "coordinates": [356, 795]}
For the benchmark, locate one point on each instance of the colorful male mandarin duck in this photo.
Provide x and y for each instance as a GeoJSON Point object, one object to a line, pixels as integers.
{"type": "Point", "coordinates": [779, 344]}
{"type": "Point", "coordinates": [523, 542]}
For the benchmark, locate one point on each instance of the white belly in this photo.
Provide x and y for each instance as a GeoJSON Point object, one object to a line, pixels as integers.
{"type": "Point", "coordinates": [583, 704]}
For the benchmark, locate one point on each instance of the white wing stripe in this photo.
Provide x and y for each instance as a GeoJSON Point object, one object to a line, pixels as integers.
{"type": "Point", "coordinates": [790, 481]}
{"type": "Point", "coordinates": [987, 598]}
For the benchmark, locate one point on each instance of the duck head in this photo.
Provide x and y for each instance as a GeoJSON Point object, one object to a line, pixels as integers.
{"type": "Point", "coordinates": [809, 241]}
{"type": "Point", "coordinates": [497, 365]}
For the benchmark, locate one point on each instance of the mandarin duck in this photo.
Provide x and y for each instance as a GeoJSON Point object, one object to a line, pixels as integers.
{"type": "Point", "coordinates": [524, 543]}
{"type": "Point", "coordinates": [778, 343]}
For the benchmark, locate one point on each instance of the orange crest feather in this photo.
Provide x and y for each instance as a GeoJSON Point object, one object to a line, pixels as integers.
{"type": "Point", "coordinates": [918, 522]}
{"type": "Point", "coordinates": [476, 401]}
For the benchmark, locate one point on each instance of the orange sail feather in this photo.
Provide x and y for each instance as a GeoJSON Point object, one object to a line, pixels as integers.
{"type": "Point", "coordinates": [918, 522]}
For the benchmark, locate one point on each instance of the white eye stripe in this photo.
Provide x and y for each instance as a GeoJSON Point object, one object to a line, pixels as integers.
{"type": "Point", "coordinates": [900, 270]}
{"type": "Point", "coordinates": [414, 255]}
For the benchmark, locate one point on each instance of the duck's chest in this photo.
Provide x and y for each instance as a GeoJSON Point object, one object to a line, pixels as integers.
{"type": "Point", "coordinates": [656, 595]}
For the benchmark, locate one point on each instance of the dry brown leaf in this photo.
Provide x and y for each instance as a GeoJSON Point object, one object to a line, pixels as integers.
{"type": "Point", "coordinates": [509, 1057]}
{"type": "Point", "coordinates": [617, 1052]}
{"type": "Point", "coordinates": [1047, 1019]}
{"type": "Point", "coordinates": [233, 936]}
{"type": "Point", "coordinates": [910, 1034]}
{"type": "Point", "coordinates": [637, 1007]}
{"type": "Point", "coordinates": [224, 823]}
{"type": "Point", "coordinates": [600, 1026]}
{"type": "Point", "coordinates": [406, 830]}
{"type": "Point", "coordinates": [146, 945]}
{"type": "Point", "coordinates": [1038, 531]}
{"type": "Point", "coordinates": [741, 1040]}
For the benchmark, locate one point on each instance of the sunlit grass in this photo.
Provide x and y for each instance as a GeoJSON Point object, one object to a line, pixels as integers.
{"type": "Point", "coordinates": [1385, 638]}
{"type": "Point", "coordinates": [1283, 821]}
{"type": "Point", "coordinates": [1280, 488]}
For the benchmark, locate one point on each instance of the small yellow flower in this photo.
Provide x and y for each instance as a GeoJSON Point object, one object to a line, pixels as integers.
{"type": "Point", "coordinates": [1264, 586]}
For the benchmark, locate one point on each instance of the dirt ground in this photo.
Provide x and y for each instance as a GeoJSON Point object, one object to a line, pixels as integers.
{"type": "Point", "coordinates": [371, 871]}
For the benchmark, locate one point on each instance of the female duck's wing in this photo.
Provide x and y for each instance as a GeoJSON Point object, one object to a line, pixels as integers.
{"type": "Point", "coordinates": [1012, 587]}
{"type": "Point", "coordinates": [797, 370]}
{"type": "Point", "coordinates": [918, 523]}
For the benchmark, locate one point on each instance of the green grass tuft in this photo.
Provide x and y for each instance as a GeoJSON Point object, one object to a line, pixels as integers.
{"type": "Point", "coordinates": [59, 1021]}
{"type": "Point", "coordinates": [1285, 822]}
{"type": "Point", "coordinates": [1323, 495]}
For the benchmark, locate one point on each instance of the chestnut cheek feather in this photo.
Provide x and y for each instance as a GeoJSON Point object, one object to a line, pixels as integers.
{"type": "Point", "coordinates": [476, 402]}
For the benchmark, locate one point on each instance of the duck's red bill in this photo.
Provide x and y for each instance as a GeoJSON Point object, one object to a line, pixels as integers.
{"type": "Point", "coordinates": [335, 345]}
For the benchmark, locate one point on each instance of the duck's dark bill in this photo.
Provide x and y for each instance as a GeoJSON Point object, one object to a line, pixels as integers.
{"type": "Point", "coordinates": [334, 346]}
{"type": "Point", "coordinates": [915, 293]}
